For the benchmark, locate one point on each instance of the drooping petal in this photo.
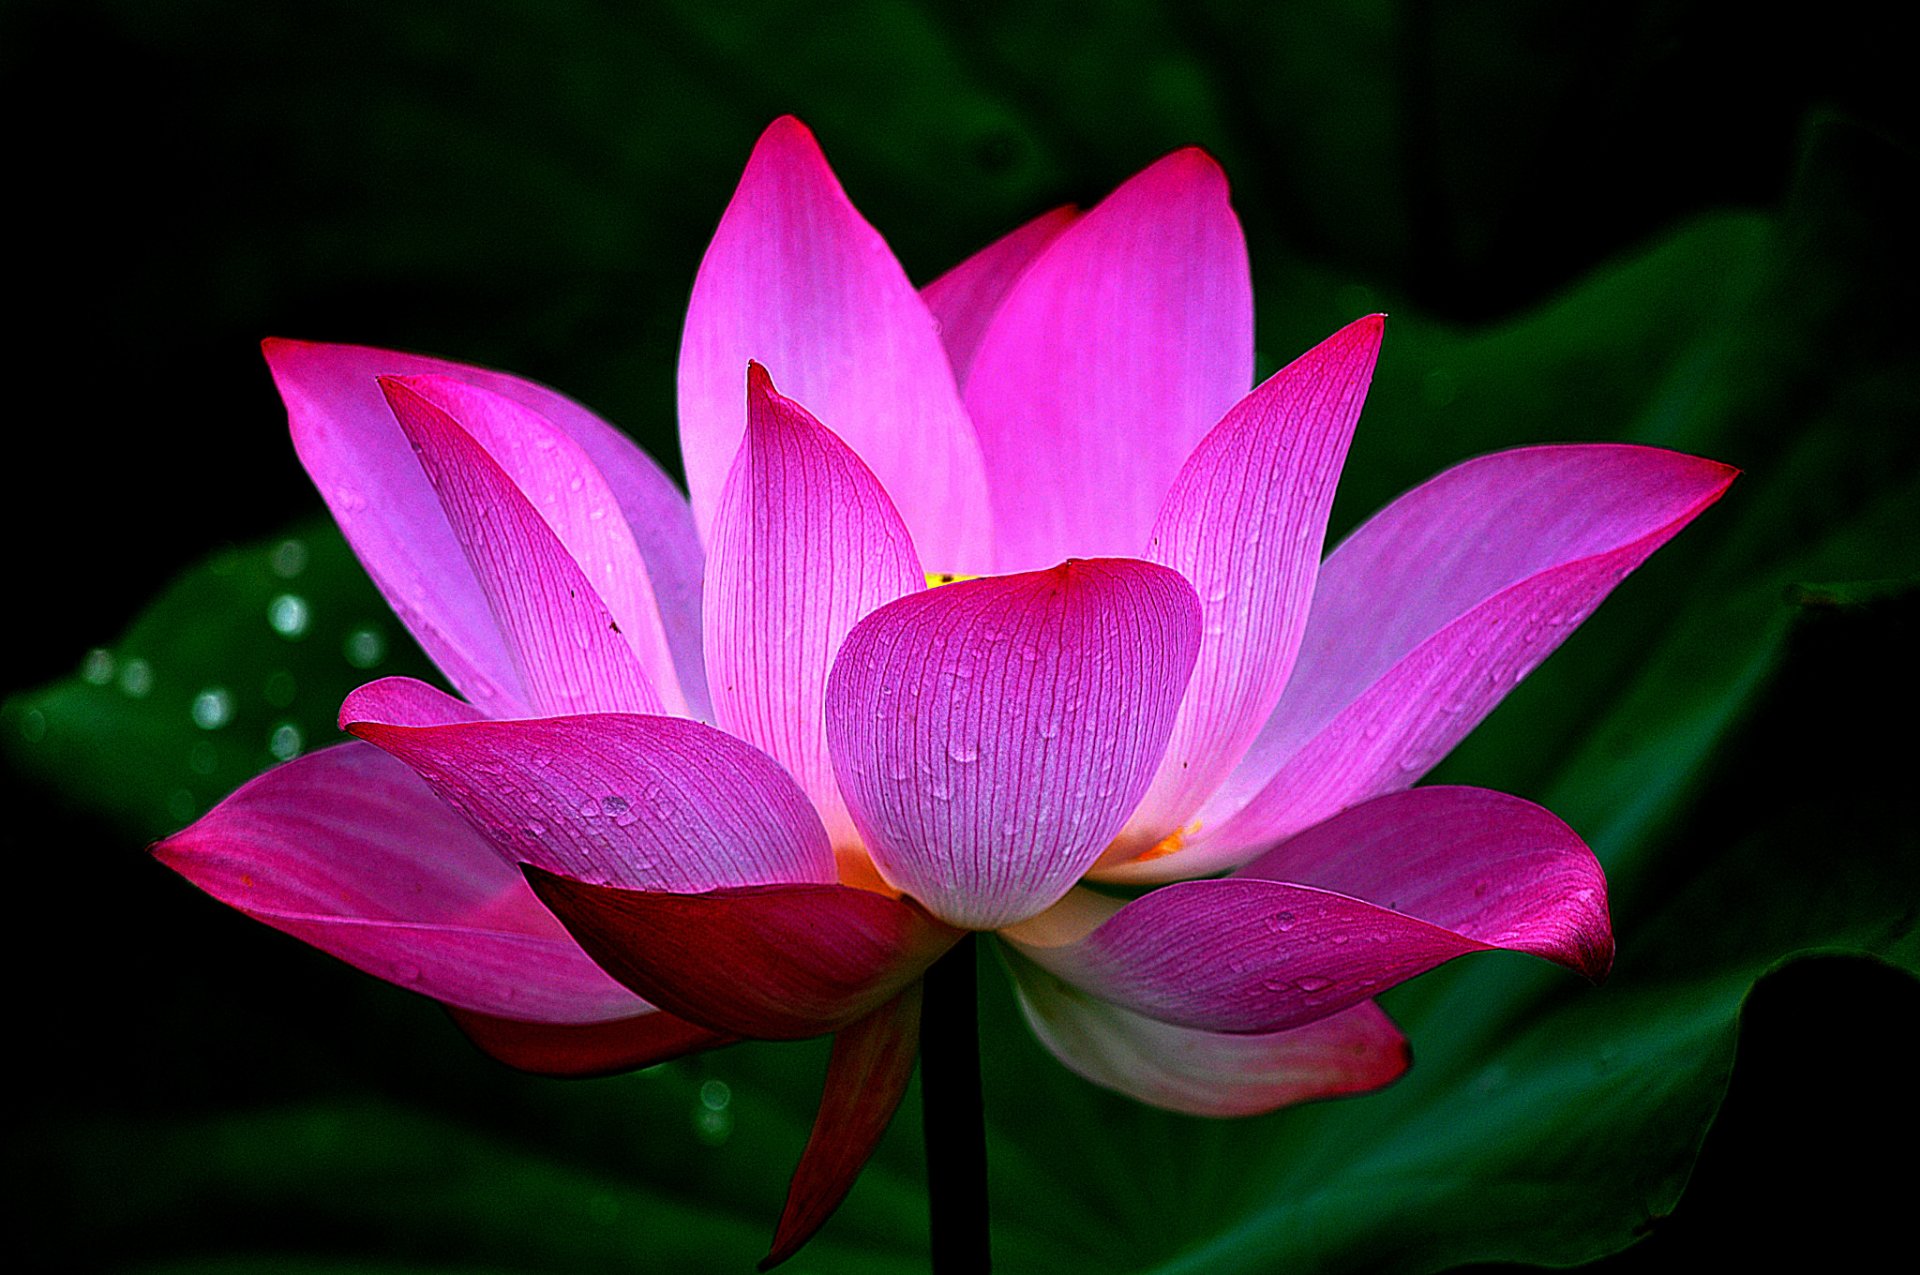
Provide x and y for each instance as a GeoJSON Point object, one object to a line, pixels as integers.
{"type": "Point", "coordinates": [1445, 871]}
{"type": "Point", "coordinates": [347, 850]}
{"type": "Point", "coordinates": [771, 962]}
{"type": "Point", "coordinates": [566, 646]}
{"type": "Point", "coordinates": [965, 298]}
{"type": "Point", "coordinates": [1427, 615]}
{"type": "Point", "coordinates": [351, 445]}
{"type": "Point", "coordinates": [581, 1051]}
{"type": "Point", "coordinates": [1244, 524]}
{"type": "Point", "coordinates": [991, 736]}
{"type": "Point", "coordinates": [804, 544]}
{"type": "Point", "coordinates": [650, 803]}
{"type": "Point", "coordinates": [405, 701]}
{"type": "Point", "coordinates": [796, 280]}
{"type": "Point", "coordinates": [579, 506]}
{"type": "Point", "coordinates": [1120, 345]}
{"type": "Point", "coordinates": [866, 1078]}
{"type": "Point", "coordinates": [1210, 1073]}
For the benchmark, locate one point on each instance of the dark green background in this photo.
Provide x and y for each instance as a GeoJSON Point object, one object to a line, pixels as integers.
{"type": "Point", "coordinates": [1667, 222]}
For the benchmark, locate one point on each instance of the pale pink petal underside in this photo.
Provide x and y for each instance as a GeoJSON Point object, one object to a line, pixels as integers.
{"type": "Point", "coordinates": [796, 280]}
{"type": "Point", "coordinates": [347, 850]}
{"type": "Point", "coordinates": [990, 737]}
{"type": "Point", "coordinates": [1206, 1073]}
{"type": "Point", "coordinates": [804, 544]}
{"type": "Point", "coordinates": [965, 298]}
{"type": "Point", "coordinates": [1120, 345]}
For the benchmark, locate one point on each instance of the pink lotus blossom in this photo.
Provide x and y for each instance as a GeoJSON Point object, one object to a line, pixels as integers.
{"type": "Point", "coordinates": [758, 774]}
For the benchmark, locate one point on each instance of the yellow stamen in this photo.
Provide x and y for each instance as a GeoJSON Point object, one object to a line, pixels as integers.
{"type": "Point", "coordinates": [937, 578]}
{"type": "Point", "coordinates": [1167, 844]}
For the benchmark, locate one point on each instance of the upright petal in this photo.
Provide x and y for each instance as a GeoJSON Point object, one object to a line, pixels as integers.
{"type": "Point", "coordinates": [1117, 349]}
{"type": "Point", "coordinates": [649, 803]}
{"type": "Point", "coordinates": [1206, 1073]}
{"type": "Point", "coordinates": [359, 459]}
{"type": "Point", "coordinates": [1427, 615]}
{"type": "Point", "coordinates": [804, 544]}
{"type": "Point", "coordinates": [347, 850]}
{"type": "Point", "coordinates": [796, 280]}
{"type": "Point", "coordinates": [1244, 524]}
{"type": "Point", "coordinates": [965, 298]}
{"type": "Point", "coordinates": [567, 649]}
{"type": "Point", "coordinates": [990, 737]}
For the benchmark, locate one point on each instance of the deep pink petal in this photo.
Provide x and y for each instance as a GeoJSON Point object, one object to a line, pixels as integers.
{"type": "Point", "coordinates": [350, 443]}
{"type": "Point", "coordinates": [1445, 871]}
{"type": "Point", "coordinates": [1117, 349]}
{"type": "Point", "coordinates": [866, 1078]}
{"type": "Point", "coordinates": [990, 737]}
{"type": "Point", "coordinates": [1210, 1073]}
{"type": "Point", "coordinates": [965, 298]}
{"type": "Point", "coordinates": [804, 544]}
{"type": "Point", "coordinates": [347, 850]}
{"type": "Point", "coordinates": [771, 962]}
{"type": "Point", "coordinates": [796, 280]}
{"type": "Point", "coordinates": [651, 803]}
{"type": "Point", "coordinates": [405, 701]}
{"type": "Point", "coordinates": [580, 1051]}
{"type": "Point", "coordinates": [1244, 524]}
{"type": "Point", "coordinates": [566, 646]}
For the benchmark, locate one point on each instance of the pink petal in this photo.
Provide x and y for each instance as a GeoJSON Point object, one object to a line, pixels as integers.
{"type": "Point", "coordinates": [1428, 614]}
{"type": "Point", "coordinates": [991, 736]}
{"type": "Point", "coordinates": [796, 280]}
{"type": "Point", "coordinates": [584, 1050]}
{"type": "Point", "coordinates": [405, 701]}
{"type": "Point", "coordinates": [804, 543]}
{"type": "Point", "coordinates": [358, 457]}
{"type": "Point", "coordinates": [866, 1078]}
{"type": "Point", "coordinates": [651, 803]}
{"type": "Point", "coordinates": [1118, 348]}
{"type": "Point", "coordinates": [771, 962]}
{"type": "Point", "coordinates": [965, 298]}
{"type": "Point", "coordinates": [566, 646]}
{"type": "Point", "coordinates": [1244, 524]}
{"type": "Point", "coordinates": [1451, 870]}
{"type": "Point", "coordinates": [1206, 1073]}
{"type": "Point", "coordinates": [347, 850]}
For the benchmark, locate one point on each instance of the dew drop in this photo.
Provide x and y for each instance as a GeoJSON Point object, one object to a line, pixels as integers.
{"type": "Point", "coordinates": [964, 753]}
{"type": "Point", "coordinates": [1313, 983]}
{"type": "Point", "coordinates": [590, 809]}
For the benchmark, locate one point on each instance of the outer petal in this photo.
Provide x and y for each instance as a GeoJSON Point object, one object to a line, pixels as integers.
{"type": "Point", "coordinates": [798, 281]}
{"type": "Point", "coordinates": [866, 1078]}
{"type": "Point", "coordinates": [805, 543]}
{"type": "Point", "coordinates": [1121, 344]}
{"type": "Point", "coordinates": [1428, 614]}
{"type": "Point", "coordinates": [567, 648]}
{"type": "Point", "coordinates": [774, 962]}
{"type": "Point", "coordinates": [581, 1051]}
{"type": "Point", "coordinates": [991, 736]}
{"type": "Point", "coordinates": [650, 803]}
{"type": "Point", "coordinates": [1453, 870]}
{"type": "Point", "coordinates": [1244, 523]}
{"type": "Point", "coordinates": [347, 850]}
{"type": "Point", "coordinates": [351, 445]}
{"type": "Point", "coordinates": [1210, 1073]}
{"type": "Point", "coordinates": [965, 298]}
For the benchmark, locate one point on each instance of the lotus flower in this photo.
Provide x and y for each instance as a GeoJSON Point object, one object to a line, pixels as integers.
{"type": "Point", "coordinates": [731, 768]}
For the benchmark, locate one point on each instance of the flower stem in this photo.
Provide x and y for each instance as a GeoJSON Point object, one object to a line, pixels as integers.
{"type": "Point", "coordinates": [956, 1128]}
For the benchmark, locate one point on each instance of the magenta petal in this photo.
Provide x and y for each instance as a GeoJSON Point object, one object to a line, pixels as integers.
{"type": "Point", "coordinates": [965, 298]}
{"type": "Point", "coordinates": [650, 803]}
{"type": "Point", "coordinates": [770, 962]}
{"type": "Point", "coordinates": [796, 280]}
{"type": "Point", "coordinates": [1449, 870]}
{"type": "Point", "coordinates": [1117, 349]}
{"type": "Point", "coordinates": [567, 648]}
{"type": "Point", "coordinates": [866, 1078]}
{"type": "Point", "coordinates": [404, 701]}
{"type": "Point", "coordinates": [350, 443]}
{"type": "Point", "coordinates": [347, 850]}
{"type": "Point", "coordinates": [990, 737]}
{"type": "Point", "coordinates": [579, 1051]}
{"type": "Point", "coordinates": [804, 544]}
{"type": "Point", "coordinates": [1207, 1073]}
{"type": "Point", "coordinates": [1244, 524]}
